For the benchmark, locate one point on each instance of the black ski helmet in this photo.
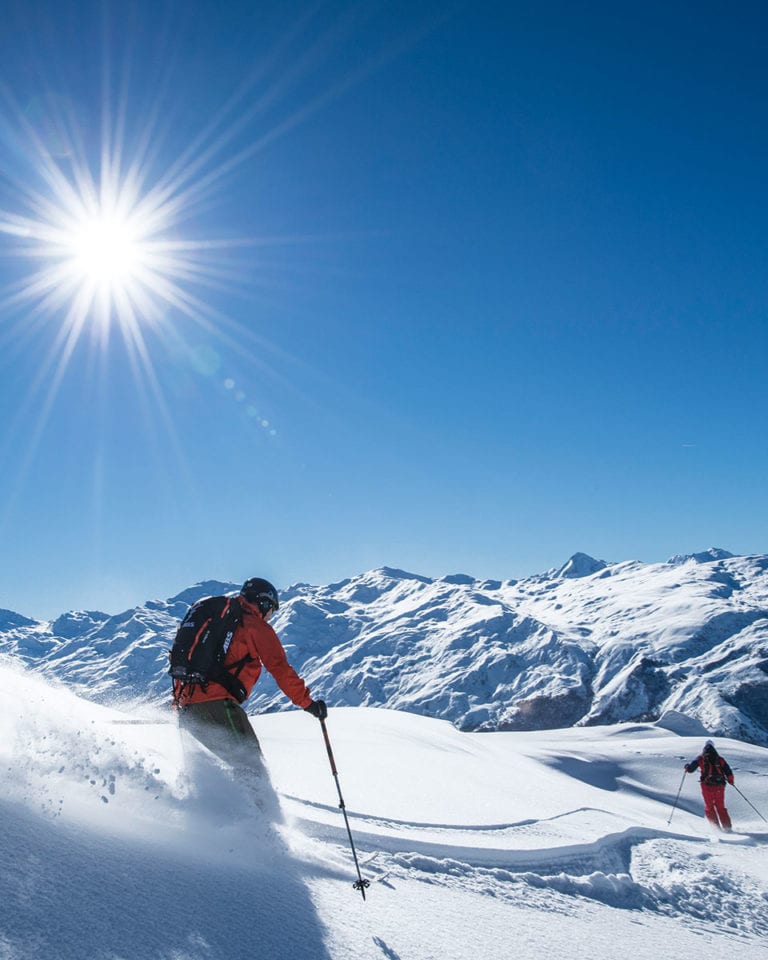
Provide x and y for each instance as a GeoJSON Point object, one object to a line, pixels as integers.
{"type": "Point", "coordinates": [261, 594]}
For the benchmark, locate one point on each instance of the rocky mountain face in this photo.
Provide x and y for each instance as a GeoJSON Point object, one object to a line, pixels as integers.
{"type": "Point", "coordinates": [587, 643]}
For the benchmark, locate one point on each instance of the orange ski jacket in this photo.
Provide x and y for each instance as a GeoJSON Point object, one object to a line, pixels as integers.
{"type": "Point", "coordinates": [254, 639]}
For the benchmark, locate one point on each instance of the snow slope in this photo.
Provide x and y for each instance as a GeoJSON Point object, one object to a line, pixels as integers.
{"type": "Point", "coordinates": [588, 643]}
{"type": "Point", "coordinates": [122, 841]}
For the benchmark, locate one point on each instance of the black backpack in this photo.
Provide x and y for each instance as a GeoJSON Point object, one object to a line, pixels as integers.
{"type": "Point", "coordinates": [712, 770]}
{"type": "Point", "coordinates": [201, 645]}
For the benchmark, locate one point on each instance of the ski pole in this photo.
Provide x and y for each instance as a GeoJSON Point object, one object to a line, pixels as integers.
{"type": "Point", "coordinates": [674, 805]}
{"type": "Point", "coordinates": [749, 802]}
{"type": "Point", "coordinates": [359, 884]}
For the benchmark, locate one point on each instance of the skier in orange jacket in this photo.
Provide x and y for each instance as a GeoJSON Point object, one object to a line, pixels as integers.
{"type": "Point", "coordinates": [211, 714]}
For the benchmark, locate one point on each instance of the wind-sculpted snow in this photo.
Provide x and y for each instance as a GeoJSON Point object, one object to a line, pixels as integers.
{"type": "Point", "coordinates": [125, 839]}
{"type": "Point", "coordinates": [586, 643]}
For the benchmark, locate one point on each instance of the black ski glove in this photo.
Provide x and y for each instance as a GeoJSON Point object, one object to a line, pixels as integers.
{"type": "Point", "coordinates": [318, 709]}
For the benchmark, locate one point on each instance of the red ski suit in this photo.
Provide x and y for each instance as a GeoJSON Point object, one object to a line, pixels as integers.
{"type": "Point", "coordinates": [715, 771]}
{"type": "Point", "coordinates": [254, 638]}
{"type": "Point", "coordinates": [714, 805]}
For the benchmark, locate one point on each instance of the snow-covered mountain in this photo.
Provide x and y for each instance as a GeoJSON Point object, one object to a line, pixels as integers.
{"type": "Point", "coordinates": [586, 643]}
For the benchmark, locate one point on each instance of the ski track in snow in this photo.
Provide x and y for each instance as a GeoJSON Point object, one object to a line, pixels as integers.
{"type": "Point", "coordinates": [637, 869]}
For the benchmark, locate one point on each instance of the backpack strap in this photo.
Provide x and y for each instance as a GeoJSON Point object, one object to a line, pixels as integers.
{"type": "Point", "coordinates": [230, 681]}
{"type": "Point", "coordinates": [229, 676]}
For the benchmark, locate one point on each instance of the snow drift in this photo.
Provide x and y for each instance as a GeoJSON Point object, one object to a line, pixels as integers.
{"type": "Point", "coordinates": [121, 841]}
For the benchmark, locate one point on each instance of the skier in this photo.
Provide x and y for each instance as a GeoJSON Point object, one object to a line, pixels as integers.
{"type": "Point", "coordinates": [714, 774]}
{"type": "Point", "coordinates": [212, 715]}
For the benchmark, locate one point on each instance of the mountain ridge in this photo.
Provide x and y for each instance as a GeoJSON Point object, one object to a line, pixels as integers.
{"type": "Point", "coordinates": [588, 643]}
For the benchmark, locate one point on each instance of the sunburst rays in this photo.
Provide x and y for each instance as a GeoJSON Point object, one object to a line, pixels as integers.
{"type": "Point", "coordinates": [98, 212]}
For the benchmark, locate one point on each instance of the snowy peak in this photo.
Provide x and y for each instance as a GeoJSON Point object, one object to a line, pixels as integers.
{"type": "Point", "coordinates": [206, 588]}
{"type": "Point", "coordinates": [77, 622]}
{"type": "Point", "coordinates": [581, 647]}
{"type": "Point", "coordinates": [10, 620]}
{"type": "Point", "coordinates": [581, 565]}
{"type": "Point", "coordinates": [706, 556]}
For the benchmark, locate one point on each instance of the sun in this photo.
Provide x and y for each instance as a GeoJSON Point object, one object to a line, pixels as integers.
{"type": "Point", "coordinates": [107, 250]}
{"type": "Point", "coordinates": [106, 255]}
{"type": "Point", "coordinates": [104, 249]}
{"type": "Point", "coordinates": [103, 266]}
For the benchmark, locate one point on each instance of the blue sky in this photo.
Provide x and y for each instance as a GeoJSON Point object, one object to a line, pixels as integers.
{"type": "Point", "coordinates": [487, 287]}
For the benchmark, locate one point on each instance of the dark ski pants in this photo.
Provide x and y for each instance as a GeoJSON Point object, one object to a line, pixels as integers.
{"type": "Point", "coordinates": [714, 805]}
{"type": "Point", "coordinates": [224, 728]}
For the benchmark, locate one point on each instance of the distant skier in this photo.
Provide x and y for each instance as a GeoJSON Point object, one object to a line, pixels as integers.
{"type": "Point", "coordinates": [715, 772]}
{"type": "Point", "coordinates": [211, 712]}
